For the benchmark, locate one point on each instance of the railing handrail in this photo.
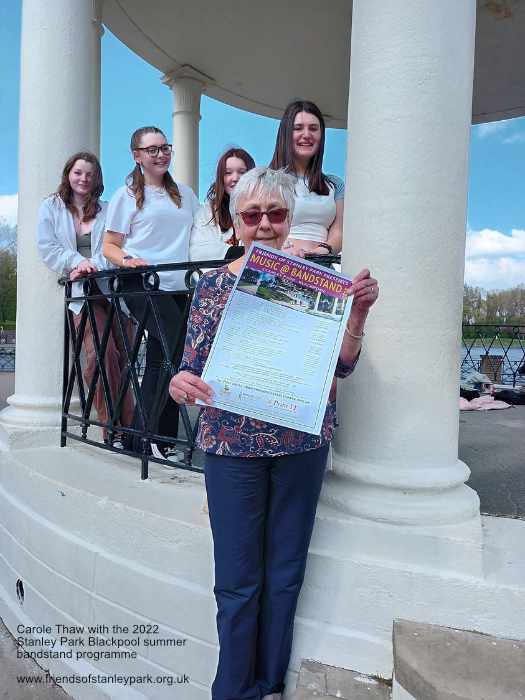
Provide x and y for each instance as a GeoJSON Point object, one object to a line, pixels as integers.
{"type": "Point", "coordinates": [190, 265]}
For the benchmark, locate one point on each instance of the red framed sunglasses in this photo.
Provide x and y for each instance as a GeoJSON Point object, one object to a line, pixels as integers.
{"type": "Point", "coordinates": [254, 217]}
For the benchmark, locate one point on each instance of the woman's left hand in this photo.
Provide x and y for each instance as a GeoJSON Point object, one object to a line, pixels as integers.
{"type": "Point", "coordinates": [186, 387]}
{"type": "Point", "coordinates": [365, 291]}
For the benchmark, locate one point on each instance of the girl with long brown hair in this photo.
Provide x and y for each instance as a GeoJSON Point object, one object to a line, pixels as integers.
{"type": "Point", "coordinates": [148, 222]}
{"type": "Point", "coordinates": [213, 232]}
{"type": "Point", "coordinates": [317, 224]}
{"type": "Point", "coordinates": [69, 239]}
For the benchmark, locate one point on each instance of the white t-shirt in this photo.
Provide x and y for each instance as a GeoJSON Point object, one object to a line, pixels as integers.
{"type": "Point", "coordinates": [207, 241]}
{"type": "Point", "coordinates": [314, 213]}
{"type": "Point", "coordinates": [159, 232]}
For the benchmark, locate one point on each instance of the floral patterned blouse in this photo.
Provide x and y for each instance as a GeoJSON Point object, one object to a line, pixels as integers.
{"type": "Point", "coordinates": [224, 433]}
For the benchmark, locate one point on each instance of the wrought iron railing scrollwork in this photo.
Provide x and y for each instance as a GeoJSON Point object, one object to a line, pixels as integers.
{"type": "Point", "coordinates": [117, 319]}
{"type": "Point", "coordinates": [495, 349]}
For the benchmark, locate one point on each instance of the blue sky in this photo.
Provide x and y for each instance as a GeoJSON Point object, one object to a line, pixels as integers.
{"type": "Point", "coordinates": [133, 95]}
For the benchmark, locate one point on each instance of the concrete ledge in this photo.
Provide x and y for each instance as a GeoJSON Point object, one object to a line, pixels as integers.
{"type": "Point", "coordinates": [318, 680]}
{"type": "Point", "coordinates": [439, 663]}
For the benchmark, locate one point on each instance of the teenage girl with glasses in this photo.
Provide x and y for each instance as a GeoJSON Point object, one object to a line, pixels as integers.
{"type": "Point", "coordinates": [148, 222]}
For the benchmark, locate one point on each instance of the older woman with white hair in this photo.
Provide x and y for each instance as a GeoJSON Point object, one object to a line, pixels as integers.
{"type": "Point", "coordinates": [263, 480]}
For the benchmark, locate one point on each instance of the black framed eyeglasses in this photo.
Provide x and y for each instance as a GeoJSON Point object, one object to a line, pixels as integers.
{"type": "Point", "coordinates": [153, 151]}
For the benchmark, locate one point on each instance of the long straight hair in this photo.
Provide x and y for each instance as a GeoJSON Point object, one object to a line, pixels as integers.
{"type": "Point", "coordinates": [283, 156]}
{"type": "Point", "coordinates": [217, 196]}
{"type": "Point", "coordinates": [135, 179]}
{"type": "Point", "coordinates": [65, 193]}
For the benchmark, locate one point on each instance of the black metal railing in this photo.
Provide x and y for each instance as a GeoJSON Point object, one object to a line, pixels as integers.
{"type": "Point", "coordinates": [117, 322]}
{"type": "Point", "coordinates": [144, 432]}
{"type": "Point", "coordinates": [7, 350]}
{"type": "Point", "coordinates": [7, 359]}
{"type": "Point", "coordinates": [497, 350]}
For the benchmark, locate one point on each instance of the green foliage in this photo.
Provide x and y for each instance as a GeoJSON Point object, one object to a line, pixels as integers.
{"type": "Point", "coordinates": [7, 287]}
{"type": "Point", "coordinates": [500, 307]}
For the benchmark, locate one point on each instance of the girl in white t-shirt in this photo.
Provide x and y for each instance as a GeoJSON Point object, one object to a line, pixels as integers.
{"type": "Point", "coordinates": [212, 234]}
{"type": "Point", "coordinates": [69, 239]}
{"type": "Point", "coordinates": [148, 222]}
{"type": "Point", "coordinates": [317, 224]}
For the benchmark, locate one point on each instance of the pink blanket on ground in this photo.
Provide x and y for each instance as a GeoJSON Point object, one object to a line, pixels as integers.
{"type": "Point", "coordinates": [483, 403]}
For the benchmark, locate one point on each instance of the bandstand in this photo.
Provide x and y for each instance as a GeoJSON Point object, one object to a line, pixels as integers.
{"type": "Point", "coordinates": [398, 533]}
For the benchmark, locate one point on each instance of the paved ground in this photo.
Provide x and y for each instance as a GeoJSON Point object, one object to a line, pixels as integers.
{"type": "Point", "coordinates": [492, 443]}
{"type": "Point", "coordinates": [12, 687]}
{"type": "Point", "coordinates": [7, 387]}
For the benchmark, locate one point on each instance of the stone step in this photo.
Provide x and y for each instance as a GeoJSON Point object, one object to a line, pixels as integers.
{"type": "Point", "coordinates": [322, 682]}
{"type": "Point", "coordinates": [440, 663]}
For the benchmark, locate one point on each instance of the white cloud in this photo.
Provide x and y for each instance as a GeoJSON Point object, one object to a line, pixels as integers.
{"type": "Point", "coordinates": [489, 243]}
{"type": "Point", "coordinates": [490, 128]}
{"type": "Point", "coordinates": [501, 273]}
{"type": "Point", "coordinates": [494, 260]}
{"type": "Point", "coordinates": [8, 209]}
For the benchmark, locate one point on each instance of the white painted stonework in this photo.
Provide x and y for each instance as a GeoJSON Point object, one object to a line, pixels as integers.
{"type": "Point", "coordinates": [395, 457]}
{"type": "Point", "coordinates": [60, 43]}
{"type": "Point", "coordinates": [187, 85]}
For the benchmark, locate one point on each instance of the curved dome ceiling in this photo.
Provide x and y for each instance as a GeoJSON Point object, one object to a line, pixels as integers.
{"type": "Point", "coordinates": [260, 57]}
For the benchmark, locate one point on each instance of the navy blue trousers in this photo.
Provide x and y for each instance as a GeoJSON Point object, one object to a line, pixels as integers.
{"type": "Point", "coordinates": [262, 512]}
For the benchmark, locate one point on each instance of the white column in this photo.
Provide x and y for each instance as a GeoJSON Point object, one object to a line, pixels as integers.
{"type": "Point", "coordinates": [396, 452]}
{"type": "Point", "coordinates": [59, 114]}
{"type": "Point", "coordinates": [187, 85]}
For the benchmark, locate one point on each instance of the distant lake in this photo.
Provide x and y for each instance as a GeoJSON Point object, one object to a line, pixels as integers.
{"type": "Point", "coordinates": [514, 358]}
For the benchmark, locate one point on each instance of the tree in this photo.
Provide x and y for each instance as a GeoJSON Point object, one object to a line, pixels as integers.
{"type": "Point", "coordinates": [7, 286]}
{"type": "Point", "coordinates": [499, 307]}
{"type": "Point", "coordinates": [473, 304]}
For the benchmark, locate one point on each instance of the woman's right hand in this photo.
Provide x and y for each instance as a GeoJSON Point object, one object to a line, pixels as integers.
{"type": "Point", "coordinates": [83, 268]}
{"type": "Point", "coordinates": [185, 387]}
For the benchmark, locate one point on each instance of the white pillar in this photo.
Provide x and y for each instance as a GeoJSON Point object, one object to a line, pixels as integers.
{"type": "Point", "coordinates": [396, 452]}
{"type": "Point", "coordinates": [59, 114]}
{"type": "Point", "coordinates": [187, 85]}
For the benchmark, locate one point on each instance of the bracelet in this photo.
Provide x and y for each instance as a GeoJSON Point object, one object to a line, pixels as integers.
{"type": "Point", "coordinates": [352, 335]}
{"type": "Point", "coordinates": [327, 246]}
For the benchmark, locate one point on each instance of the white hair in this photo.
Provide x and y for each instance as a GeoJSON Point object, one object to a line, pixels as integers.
{"type": "Point", "coordinates": [264, 182]}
